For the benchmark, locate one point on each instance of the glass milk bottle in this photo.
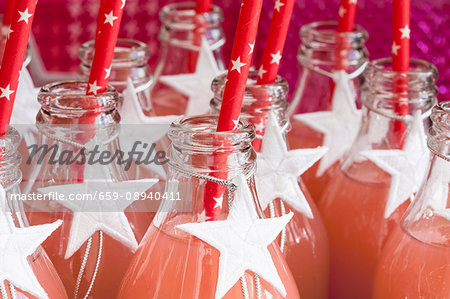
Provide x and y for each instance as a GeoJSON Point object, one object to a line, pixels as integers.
{"type": "Point", "coordinates": [312, 100]}
{"type": "Point", "coordinates": [304, 241]}
{"type": "Point", "coordinates": [42, 279]}
{"type": "Point", "coordinates": [77, 164]}
{"type": "Point", "coordinates": [369, 193]}
{"type": "Point", "coordinates": [171, 262]}
{"type": "Point", "coordinates": [415, 260]}
{"type": "Point", "coordinates": [191, 46]}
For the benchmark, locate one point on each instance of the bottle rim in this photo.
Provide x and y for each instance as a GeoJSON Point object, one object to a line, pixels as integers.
{"type": "Point", "coordinates": [182, 16]}
{"type": "Point", "coordinates": [325, 32]}
{"type": "Point", "coordinates": [127, 53]}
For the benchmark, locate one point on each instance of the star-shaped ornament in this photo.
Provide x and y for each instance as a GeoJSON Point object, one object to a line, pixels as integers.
{"type": "Point", "coordinates": [16, 245]}
{"type": "Point", "coordinates": [339, 126]}
{"type": "Point", "coordinates": [24, 16]}
{"type": "Point", "coordinates": [242, 240]}
{"type": "Point", "coordinates": [90, 216]}
{"type": "Point", "coordinates": [437, 190]}
{"type": "Point", "coordinates": [278, 169]}
{"type": "Point", "coordinates": [110, 18]}
{"type": "Point", "coordinates": [406, 166]}
{"type": "Point", "coordinates": [197, 85]}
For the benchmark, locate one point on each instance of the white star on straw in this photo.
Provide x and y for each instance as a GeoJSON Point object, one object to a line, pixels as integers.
{"type": "Point", "coordinates": [110, 18]}
{"type": "Point", "coordinates": [278, 5]}
{"type": "Point", "coordinates": [6, 92]}
{"type": "Point", "coordinates": [252, 46]}
{"type": "Point", "coordinates": [94, 87]}
{"type": "Point", "coordinates": [219, 201]}
{"type": "Point", "coordinates": [237, 64]}
{"type": "Point", "coordinates": [395, 48]}
{"type": "Point", "coordinates": [108, 72]}
{"type": "Point", "coordinates": [24, 16]}
{"type": "Point", "coordinates": [276, 57]}
{"type": "Point", "coordinates": [405, 32]}
{"type": "Point", "coordinates": [342, 11]}
{"type": "Point", "coordinates": [123, 4]}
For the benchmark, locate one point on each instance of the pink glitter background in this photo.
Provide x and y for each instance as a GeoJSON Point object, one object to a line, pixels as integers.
{"type": "Point", "coordinates": [61, 26]}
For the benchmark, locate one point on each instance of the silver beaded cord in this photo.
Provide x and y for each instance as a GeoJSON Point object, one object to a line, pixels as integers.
{"type": "Point", "coordinates": [4, 293]}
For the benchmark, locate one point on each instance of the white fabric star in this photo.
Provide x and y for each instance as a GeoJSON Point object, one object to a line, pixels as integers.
{"type": "Point", "coordinates": [6, 92]}
{"type": "Point", "coordinates": [90, 216]}
{"type": "Point", "coordinates": [278, 169]}
{"type": "Point", "coordinates": [395, 48]}
{"type": "Point", "coordinates": [16, 245]}
{"type": "Point", "coordinates": [108, 72]}
{"type": "Point", "coordinates": [407, 166]}
{"type": "Point", "coordinates": [197, 85]}
{"type": "Point", "coordinates": [110, 18]}
{"type": "Point", "coordinates": [26, 105]}
{"type": "Point", "coordinates": [342, 11]}
{"type": "Point", "coordinates": [405, 32]}
{"type": "Point", "coordinates": [242, 240]}
{"type": "Point", "coordinates": [94, 87]}
{"type": "Point", "coordinates": [340, 125]}
{"type": "Point", "coordinates": [276, 58]}
{"type": "Point", "coordinates": [252, 47]}
{"type": "Point", "coordinates": [237, 64]}
{"type": "Point", "coordinates": [278, 5]}
{"type": "Point", "coordinates": [261, 72]}
{"type": "Point", "coordinates": [24, 16]}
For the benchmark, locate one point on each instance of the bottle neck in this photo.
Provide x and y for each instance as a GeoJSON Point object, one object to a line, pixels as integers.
{"type": "Point", "coordinates": [259, 100]}
{"type": "Point", "coordinates": [380, 99]}
{"type": "Point", "coordinates": [130, 62]}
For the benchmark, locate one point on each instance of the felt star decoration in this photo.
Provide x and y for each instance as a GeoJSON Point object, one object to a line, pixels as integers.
{"type": "Point", "coordinates": [242, 240]}
{"type": "Point", "coordinates": [197, 85]}
{"type": "Point", "coordinates": [406, 166]}
{"type": "Point", "coordinates": [90, 216]}
{"type": "Point", "coordinates": [279, 168]}
{"type": "Point", "coordinates": [339, 126]}
{"type": "Point", "coordinates": [16, 245]}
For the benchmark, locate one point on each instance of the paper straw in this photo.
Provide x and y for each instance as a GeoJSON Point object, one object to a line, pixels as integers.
{"type": "Point", "coordinates": [400, 63]}
{"type": "Point", "coordinates": [14, 54]}
{"type": "Point", "coordinates": [202, 6]}
{"type": "Point", "coordinates": [233, 95]}
{"type": "Point", "coordinates": [273, 51]}
{"type": "Point", "coordinates": [111, 15]}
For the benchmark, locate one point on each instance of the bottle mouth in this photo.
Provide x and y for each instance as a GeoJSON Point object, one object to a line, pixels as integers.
{"type": "Point", "coordinates": [182, 16]}
{"type": "Point", "coordinates": [380, 76]}
{"type": "Point", "coordinates": [198, 134]}
{"type": "Point", "coordinates": [324, 33]}
{"type": "Point", "coordinates": [261, 96]}
{"type": "Point", "coordinates": [127, 53]}
{"type": "Point", "coordinates": [69, 99]}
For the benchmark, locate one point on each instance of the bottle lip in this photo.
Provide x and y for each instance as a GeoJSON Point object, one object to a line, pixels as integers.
{"type": "Point", "coordinates": [10, 141]}
{"type": "Point", "coordinates": [276, 90]}
{"type": "Point", "coordinates": [199, 133]}
{"type": "Point", "coordinates": [417, 67]}
{"type": "Point", "coordinates": [67, 97]}
{"type": "Point", "coordinates": [127, 53]}
{"type": "Point", "coordinates": [439, 133]}
{"type": "Point", "coordinates": [182, 16]}
{"type": "Point", "coordinates": [325, 32]}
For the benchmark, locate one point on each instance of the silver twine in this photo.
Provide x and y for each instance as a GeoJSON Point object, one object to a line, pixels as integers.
{"type": "Point", "coordinates": [231, 187]}
{"type": "Point", "coordinates": [12, 290]}
{"type": "Point", "coordinates": [272, 215]}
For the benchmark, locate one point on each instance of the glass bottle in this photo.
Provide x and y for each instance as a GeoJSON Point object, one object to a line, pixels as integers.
{"type": "Point", "coordinates": [305, 246]}
{"type": "Point", "coordinates": [171, 263]}
{"type": "Point", "coordinates": [357, 206]}
{"type": "Point", "coordinates": [93, 248]}
{"type": "Point", "coordinates": [415, 260]}
{"type": "Point", "coordinates": [181, 38]}
{"type": "Point", "coordinates": [10, 177]}
{"type": "Point", "coordinates": [129, 65]}
{"type": "Point", "coordinates": [314, 90]}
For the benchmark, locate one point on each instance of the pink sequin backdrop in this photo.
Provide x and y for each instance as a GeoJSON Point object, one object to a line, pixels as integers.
{"type": "Point", "coordinates": [61, 26]}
